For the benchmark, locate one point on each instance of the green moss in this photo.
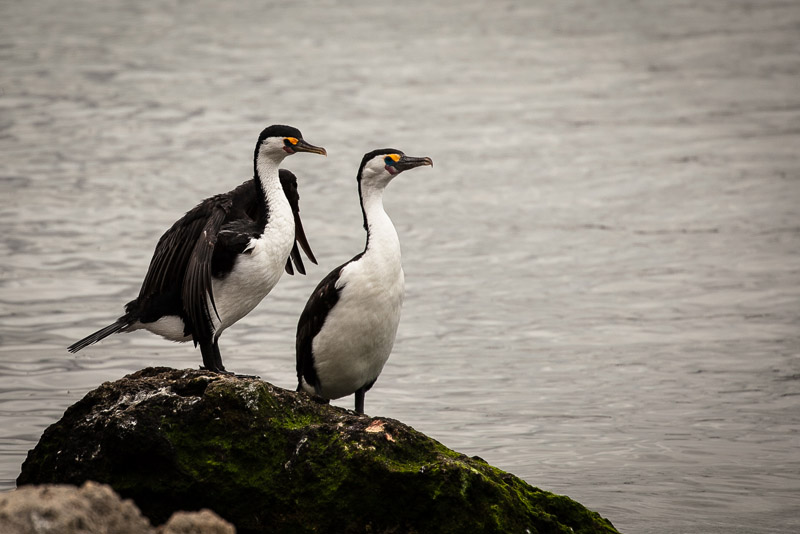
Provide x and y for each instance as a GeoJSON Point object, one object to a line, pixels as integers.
{"type": "Point", "coordinates": [271, 460]}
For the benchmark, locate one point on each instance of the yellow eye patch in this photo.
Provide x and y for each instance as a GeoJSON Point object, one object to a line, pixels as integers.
{"type": "Point", "coordinates": [391, 159]}
{"type": "Point", "coordinates": [292, 140]}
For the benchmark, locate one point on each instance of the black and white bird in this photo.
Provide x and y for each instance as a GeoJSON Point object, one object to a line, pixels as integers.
{"type": "Point", "coordinates": [216, 263]}
{"type": "Point", "coordinates": [347, 329]}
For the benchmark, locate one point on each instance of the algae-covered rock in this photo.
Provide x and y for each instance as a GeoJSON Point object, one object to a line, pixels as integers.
{"type": "Point", "coordinates": [271, 460]}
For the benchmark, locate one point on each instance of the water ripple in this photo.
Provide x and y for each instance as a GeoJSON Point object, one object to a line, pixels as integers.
{"type": "Point", "coordinates": [603, 268]}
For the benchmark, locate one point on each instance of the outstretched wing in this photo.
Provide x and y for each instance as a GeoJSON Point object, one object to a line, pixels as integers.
{"type": "Point", "coordinates": [196, 290]}
{"type": "Point", "coordinates": [168, 265]}
{"type": "Point", "coordinates": [289, 184]}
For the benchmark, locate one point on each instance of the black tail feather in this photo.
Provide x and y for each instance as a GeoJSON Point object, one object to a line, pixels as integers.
{"type": "Point", "coordinates": [121, 324]}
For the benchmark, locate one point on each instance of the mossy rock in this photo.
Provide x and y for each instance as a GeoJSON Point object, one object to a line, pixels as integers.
{"type": "Point", "coordinates": [271, 460]}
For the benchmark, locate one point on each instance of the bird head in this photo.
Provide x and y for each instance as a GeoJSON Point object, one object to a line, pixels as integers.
{"type": "Point", "coordinates": [379, 167]}
{"type": "Point", "coordinates": [278, 141]}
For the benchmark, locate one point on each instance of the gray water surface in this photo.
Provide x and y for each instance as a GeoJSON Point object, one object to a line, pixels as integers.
{"type": "Point", "coordinates": [603, 267]}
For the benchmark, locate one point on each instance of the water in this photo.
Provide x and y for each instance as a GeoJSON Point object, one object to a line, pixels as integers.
{"type": "Point", "coordinates": [603, 267]}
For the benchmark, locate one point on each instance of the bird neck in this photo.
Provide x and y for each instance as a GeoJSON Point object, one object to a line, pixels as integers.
{"type": "Point", "coordinates": [268, 183]}
{"type": "Point", "coordinates": [381, 234]}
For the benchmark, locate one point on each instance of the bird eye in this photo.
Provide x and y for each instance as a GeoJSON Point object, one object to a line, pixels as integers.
{"type": "Point", "coordinates": [289, 141]}
{"type": "Point", "coordinates": [389, 161]}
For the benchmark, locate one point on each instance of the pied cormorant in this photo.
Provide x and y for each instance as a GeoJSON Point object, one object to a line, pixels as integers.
{"type": "Point", "coordinates": [216, 263]}
{"type": "Point", "coordinates": [347, 329]}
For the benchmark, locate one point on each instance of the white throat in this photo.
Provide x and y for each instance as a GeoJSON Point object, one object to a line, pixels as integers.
{"type": "Point", "coordinates": [382, 236]}
{"type": "Point", "coordinates": [271, 184]}
{"type": "Point", "coordinates": [261, 266]}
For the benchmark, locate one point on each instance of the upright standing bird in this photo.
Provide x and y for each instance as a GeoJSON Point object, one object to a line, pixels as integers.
{"type": "Point", "coordinates": [347, 329]}
{"type": "Point", "coordinates": [216, 263]}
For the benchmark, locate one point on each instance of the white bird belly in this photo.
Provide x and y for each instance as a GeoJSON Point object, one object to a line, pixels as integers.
{"type": "Point", "coordinates": [254, 274]}
{"type": "Point", "coordinates": [252, 278]}
{"type": "Point", "coordinates": [358, 335]}
{"type": "Point", "coordinates": [169, 327]}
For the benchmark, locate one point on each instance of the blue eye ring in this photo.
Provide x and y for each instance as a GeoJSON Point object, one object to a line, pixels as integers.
{"type": "Point", "coordinates": [388, 161]}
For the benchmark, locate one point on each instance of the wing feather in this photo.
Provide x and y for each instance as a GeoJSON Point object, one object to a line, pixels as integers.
{"type": "Point", "coordinates": [168, 265]}
{"type": "Point", "coordinates": [289, 184]}
{"type": "Point", "coordinates": [197, 282]}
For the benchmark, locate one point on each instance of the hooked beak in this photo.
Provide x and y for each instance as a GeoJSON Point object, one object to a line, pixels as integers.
{"type": "Point", "coordinates": [407, 162]}
{"type": "Point", "coordinates": [302, 146]}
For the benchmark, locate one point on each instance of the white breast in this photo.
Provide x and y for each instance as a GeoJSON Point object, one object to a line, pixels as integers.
{"type": "Point", "coordinates": [256, 271]}
{"type": "Point", "coordinates": [359, 332]}
{"type": "Point", "coordinates": [254, 275]}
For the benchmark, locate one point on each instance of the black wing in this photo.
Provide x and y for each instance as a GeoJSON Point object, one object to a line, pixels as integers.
{"type": "Point", "coordinates": [197, 282]}
{"type": "Point", "coordinates": [171, 256]}
{"type": "Point", "coordinates": [168, 270]}
{"type": "Point", "coordinates": [289, 183]}
{"type": "Point", "coordinates": [319, 304]}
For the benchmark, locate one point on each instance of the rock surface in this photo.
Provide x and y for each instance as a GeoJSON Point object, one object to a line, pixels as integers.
{"type": "Point", "coordinates": [92, 509]}
{"type": "Point", "coordinates": [202, 522]}
{"type": "Point", "coordinates": [63, 509]}
{"type": "Point", "coordinates": [271, 460]}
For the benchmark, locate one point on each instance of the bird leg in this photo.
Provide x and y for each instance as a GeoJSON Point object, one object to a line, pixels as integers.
{"type": "Point", "coordinates": [360, 392]}
{"type": "Point", "coordinates": [209, 361]}
{"type": "Point", "coordinates": [212, 361]}
{"type": "Point", "coordinates": [218, 367]}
